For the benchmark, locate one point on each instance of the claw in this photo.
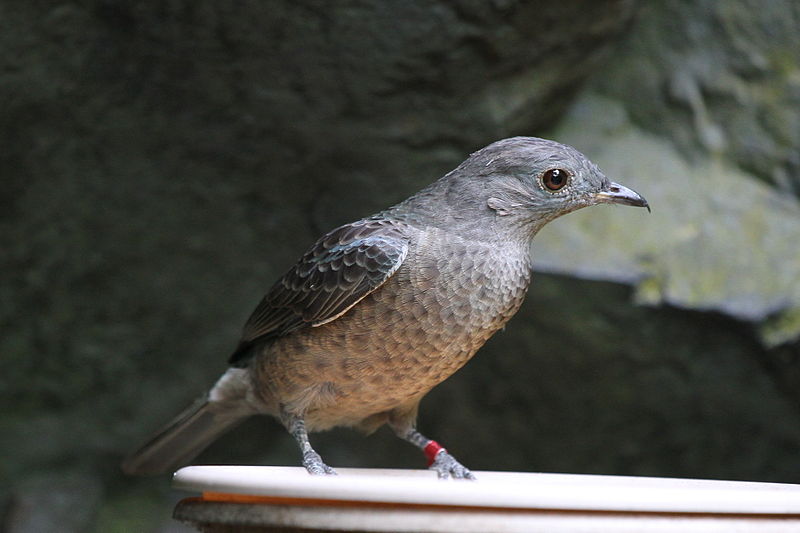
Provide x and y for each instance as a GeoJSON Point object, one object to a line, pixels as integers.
{"type": "Point", "coordinates": [311, 459]}
{"type": "Point", "coordinates": [313, 463]}
{"type": "Point", "coordinates": [446, 466]}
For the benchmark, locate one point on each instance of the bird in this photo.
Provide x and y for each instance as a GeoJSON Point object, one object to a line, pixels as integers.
{"type": "Point", "coordinates": [379, 311]}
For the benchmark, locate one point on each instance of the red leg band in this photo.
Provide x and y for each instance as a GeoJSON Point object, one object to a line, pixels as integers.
{"type": "Point", "coordinates": [431, 450]}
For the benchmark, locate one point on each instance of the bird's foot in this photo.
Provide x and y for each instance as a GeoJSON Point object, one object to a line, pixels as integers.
{"type": "Point", "coordinates": [447, 466]}
{"type": "Point", "coordinates": [313, 463]}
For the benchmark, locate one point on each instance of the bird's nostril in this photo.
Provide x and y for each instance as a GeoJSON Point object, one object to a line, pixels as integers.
{"type": "Point", "coordinates": [614, 188]}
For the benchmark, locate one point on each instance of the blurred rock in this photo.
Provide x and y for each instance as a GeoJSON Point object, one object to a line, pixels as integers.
{"type": "Point", "coordinates": [717, 239]}
{"type": "Point", "coordinates": [63, 501]}
{"type": "Point", "coordinates": [162, 162]}
{"type": "Point", "coordinates": [718, 79]}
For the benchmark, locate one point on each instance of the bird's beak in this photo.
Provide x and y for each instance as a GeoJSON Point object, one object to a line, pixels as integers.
{"type": "Point", "coordinates": [619, 194]}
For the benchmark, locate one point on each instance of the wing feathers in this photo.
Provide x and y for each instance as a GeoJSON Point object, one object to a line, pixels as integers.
{"type": "Point", "coordinates": [337, 272]}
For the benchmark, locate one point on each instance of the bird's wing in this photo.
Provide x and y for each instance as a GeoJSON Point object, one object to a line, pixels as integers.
{"type": "Point", "coordinates": [338, 271]}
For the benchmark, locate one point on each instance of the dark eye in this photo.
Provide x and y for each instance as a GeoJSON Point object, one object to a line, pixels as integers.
{"type": "Point", "coordinates": [554, 179]}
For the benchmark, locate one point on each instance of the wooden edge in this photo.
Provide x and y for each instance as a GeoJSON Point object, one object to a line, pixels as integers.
{"type": "Point", "coordinates": [248, 499]}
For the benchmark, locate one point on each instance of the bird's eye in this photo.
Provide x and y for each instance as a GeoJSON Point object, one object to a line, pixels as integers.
{"type": "Point", "coordinates": [554, 179]}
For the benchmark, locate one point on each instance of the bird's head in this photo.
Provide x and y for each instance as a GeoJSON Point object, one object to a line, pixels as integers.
{"type": "Point", "coordinates": [527, 182]}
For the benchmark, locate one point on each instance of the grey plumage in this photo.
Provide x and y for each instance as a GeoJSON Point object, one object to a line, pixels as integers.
{"type": "Point", "coordinates": [379, 311]}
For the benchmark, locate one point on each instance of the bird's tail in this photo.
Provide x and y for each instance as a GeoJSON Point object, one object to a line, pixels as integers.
{"type": "Point", "coordinates": [183, 438]}
{"type": "Point", "coordinates": [229, 402]}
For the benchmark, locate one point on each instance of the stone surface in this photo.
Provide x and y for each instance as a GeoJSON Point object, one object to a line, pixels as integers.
{"type": "Point", "coordinates": [701, 103]}
{"type": "Point", "coordinates": [717, 240]}
{"type": "Point", "coordinates": [719, 79]}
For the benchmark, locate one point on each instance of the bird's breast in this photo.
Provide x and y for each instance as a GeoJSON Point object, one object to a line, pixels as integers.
{"type": "Point", "coordinates": [467, 288]}
{"type": "Point", "coordinates": [391, 348]}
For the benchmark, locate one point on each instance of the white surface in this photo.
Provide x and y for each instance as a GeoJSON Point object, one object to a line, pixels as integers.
{"type": "Point", "coordinates": [425, 520]}
{"type": "Point", "coordinates": [501, 490]}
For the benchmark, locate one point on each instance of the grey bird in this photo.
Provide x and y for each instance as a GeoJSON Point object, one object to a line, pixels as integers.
{"type": "Point", "coordinates": [379, 311]}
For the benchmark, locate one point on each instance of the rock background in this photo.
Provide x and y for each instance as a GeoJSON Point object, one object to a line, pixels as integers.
{"type": "Point", "coordinates": [163, 161]}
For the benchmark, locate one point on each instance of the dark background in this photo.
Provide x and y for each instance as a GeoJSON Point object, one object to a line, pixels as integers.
{"type": "Point", "coordinates": [162, 162]}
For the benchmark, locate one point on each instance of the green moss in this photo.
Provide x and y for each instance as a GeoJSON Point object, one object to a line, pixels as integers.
{"type": "Point", "coordinates": [782, 328]}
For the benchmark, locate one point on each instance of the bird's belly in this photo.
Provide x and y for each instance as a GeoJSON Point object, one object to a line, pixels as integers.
{"type": "Point", "coordinates": [388, 351]}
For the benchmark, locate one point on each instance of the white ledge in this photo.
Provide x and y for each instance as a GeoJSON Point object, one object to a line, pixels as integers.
{"type": "Point", "coordinates": [498, 490]}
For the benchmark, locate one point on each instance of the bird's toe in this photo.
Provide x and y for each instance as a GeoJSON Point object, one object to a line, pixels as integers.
{"type": "Point", "coordinates": [446, 466]}
{"type": "Point", "coordinates": [315, 466]}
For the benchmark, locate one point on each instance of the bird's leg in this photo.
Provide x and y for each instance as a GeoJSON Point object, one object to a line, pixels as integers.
{"type": "Point", "coordinates": [311, 459]}
{"type": "Point", "coordinates": [439, 459]}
